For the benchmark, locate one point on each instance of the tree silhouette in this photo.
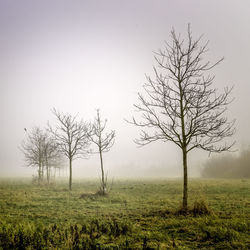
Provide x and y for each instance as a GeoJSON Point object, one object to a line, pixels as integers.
{"type": "Point", "coordinates": [104, 141]}
{"type": "Point", "coordinates": [72, 138]}
{"type": "Point", "coordinates": [180, 105]}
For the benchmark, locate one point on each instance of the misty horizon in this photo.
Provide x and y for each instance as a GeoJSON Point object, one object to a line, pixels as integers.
{"type": "Point", "coordinates": [87, 55]}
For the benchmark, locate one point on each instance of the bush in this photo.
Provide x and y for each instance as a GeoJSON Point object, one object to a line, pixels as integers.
{"type": "Point", "coordinates": [201, 208]}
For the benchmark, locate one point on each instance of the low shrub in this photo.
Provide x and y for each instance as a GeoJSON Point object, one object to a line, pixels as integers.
{"type": "Point", "coordinates": [200, 207]}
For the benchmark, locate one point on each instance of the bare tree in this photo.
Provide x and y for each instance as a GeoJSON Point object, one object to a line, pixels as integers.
{"type": "Point", "coordinates": [71, 138]}
{"type": "Point", "coordinates": [40, 151]}
{"type": "Point", "coordinates": [33, 150]}
{"type": "Point", "coordinates": [180, 105]}
{"type": "Point", "coordinates": [103, 141]}
{"type": "Point", "coordinates": [52, 156]}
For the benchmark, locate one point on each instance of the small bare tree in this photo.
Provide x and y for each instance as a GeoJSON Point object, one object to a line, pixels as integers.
{"type": "Point", "coordinates": [72, 138]}
{"type": "Point", "coordinates": [33, 150]}
{"type": "Point", "coordinates": [103, 141]}
{"type": "Point", "coordinates": [180, 104]}
{"type": "Point", "coordinates": [40, 151]}
{"type": "Point", "coordinates": [52, 156]}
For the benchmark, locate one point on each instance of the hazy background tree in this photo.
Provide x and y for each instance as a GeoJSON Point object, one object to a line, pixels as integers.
{"type": "Point", "coordinates": [33, 150]}
{"type": "Point", "coordinates": [72, 138]}
{"type": "Point", "coordinates": [40, 151]}
{"type": "Point", "coordinates": [180, 105]}
{"type": "Point", "coordinates": [104, 141]}
{"type": "Point", "coordinates": [52, 156]}
{"type": "Point", "coordinates": [228, 166]}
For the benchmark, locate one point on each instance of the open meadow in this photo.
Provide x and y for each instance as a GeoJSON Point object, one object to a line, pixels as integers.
{"type": "Point", "coordinates": [137, 214]}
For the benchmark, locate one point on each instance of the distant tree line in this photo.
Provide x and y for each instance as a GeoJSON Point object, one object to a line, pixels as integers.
{"type": "Point", "coordinates": [228, 166]}
{"type": "Point", "coordinates": [45, 149]}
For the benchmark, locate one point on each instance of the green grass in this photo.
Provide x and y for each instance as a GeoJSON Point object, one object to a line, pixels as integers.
{"type": "Point", "coordinates": [135, 215]}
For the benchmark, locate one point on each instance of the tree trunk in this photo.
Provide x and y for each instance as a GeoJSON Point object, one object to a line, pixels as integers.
{"type": "Point", "coordinates": [39, 173]}
{"type": "Point", "coordinates": [70, 173]}
{"type": "Point", "coordinates": [185, 180]}
{"type": "Point", "coordinates": [47, 169]}
{"type": "Point", "coordinates": [184, 151]}
{"type": "Point", "coordinates": [42, 171]}
{"type": "Point", "coordinates": [103, 177]}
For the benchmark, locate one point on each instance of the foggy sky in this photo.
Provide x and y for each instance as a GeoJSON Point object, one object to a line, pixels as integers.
{"type": "Point", "coordinates": [78, 56]}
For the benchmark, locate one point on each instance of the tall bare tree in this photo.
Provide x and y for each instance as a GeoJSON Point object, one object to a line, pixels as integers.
{"type": "Point", "coordinates": [72, 138]}
{"type": "Point", "coordinates": [104, 141]}
{"type": "Point", "coordinates": [180, 105]}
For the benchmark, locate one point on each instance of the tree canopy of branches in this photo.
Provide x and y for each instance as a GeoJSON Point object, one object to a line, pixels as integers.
{"type": "Point", "coordinates": [180, 105]}
{"type": "Point", "coordinates": [103, 141]}
{"type": "Point", "coordinates": [72, 138]}
{"type": "Point", "coordinates": [40, 151]}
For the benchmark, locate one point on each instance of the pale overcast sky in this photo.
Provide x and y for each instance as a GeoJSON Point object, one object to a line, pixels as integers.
{"type": "Point", "coordinates": [78, 56]}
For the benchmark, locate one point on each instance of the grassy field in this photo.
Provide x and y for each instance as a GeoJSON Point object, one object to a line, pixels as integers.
{"type": "Point", "coordinates": [135, 215]}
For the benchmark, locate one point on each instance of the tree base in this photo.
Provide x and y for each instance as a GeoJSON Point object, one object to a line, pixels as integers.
{"type": "Point", "coordinates": [199, 208]}
{"type": "Point", "coordinates": [102, 193]}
